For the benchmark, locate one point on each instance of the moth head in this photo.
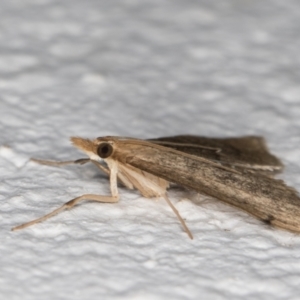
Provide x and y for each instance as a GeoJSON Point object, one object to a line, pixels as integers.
{"type": "Point", "coordinates": [100, 148]}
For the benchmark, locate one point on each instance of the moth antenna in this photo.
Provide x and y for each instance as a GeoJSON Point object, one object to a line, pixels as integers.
{"type": "Point", "coordinates": [179, 217]}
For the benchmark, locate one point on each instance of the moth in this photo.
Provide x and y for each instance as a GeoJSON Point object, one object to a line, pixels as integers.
{"type": "Point", "coordinates": [239, 171]}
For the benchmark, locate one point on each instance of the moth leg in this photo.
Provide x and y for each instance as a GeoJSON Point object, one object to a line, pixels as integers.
{"type": "Point", "coordinates": [69, 205]}
{"type": "Point", "coordinates": [101, 167]}
{"type": "Point", "coordinates": [179, 217]}
{"type": "Point", "coordinates": [80, 161]}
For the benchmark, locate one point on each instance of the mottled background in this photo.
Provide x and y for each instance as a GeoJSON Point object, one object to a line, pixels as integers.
{"type": "Point", "coordinates": [144, 69]}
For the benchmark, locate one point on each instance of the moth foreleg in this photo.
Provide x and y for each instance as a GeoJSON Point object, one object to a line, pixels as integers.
{"type": "Point", "coordinates": [69, 205]}
{"type": "Point", "coordinates": [80, 161]}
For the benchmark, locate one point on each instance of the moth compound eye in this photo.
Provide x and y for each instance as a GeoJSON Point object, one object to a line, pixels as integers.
{"type": "Point", "coordinates": [105, 150]}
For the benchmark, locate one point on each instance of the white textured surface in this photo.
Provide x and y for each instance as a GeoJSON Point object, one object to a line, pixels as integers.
{"type": "Point", "coordinates": [144, 69]}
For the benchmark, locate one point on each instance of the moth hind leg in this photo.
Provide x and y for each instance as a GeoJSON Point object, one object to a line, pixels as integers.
{"type": "Point", "coordinates": [69, 205]}
{"type": "Point", "coordinates": [179, 217]}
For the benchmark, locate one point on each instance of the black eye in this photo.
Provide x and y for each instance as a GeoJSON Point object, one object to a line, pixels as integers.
{"type": "Point", "coordinates": [105, 150]}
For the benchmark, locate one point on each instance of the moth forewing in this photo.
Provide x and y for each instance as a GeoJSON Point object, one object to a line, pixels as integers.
{"type": "Point", "coordinates": [266, 198]}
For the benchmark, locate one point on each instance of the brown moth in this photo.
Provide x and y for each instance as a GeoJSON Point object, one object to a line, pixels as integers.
{"type": "Point", "coordinates": [238, 171]}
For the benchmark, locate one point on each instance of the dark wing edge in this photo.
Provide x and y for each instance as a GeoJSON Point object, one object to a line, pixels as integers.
{"type": "Point", "coordinates": [247, 153]}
